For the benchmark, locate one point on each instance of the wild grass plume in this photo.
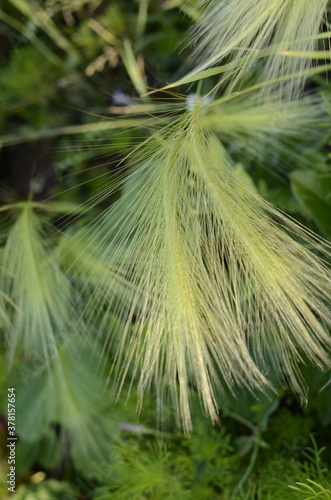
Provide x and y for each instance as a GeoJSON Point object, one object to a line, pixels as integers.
{"type": "Point", "coordinates": [39, 291]}
{"type": "Point", "coordinates": [221, 287]}
{"type": "Point", "coordinates": [67, 392]}
{"type": "Point", "coordinates": [284, 32]}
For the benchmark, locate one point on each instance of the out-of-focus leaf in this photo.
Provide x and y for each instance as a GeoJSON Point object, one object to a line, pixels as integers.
{"type": "Point", "coordinates": [66, 393]}
{"type": "Point", "coordinates": [313, 191]}
{"type": "Point", "coordinates": [45, 490]}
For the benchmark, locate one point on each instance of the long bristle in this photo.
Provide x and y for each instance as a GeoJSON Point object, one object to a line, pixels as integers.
{"type": "Point", "coordinates": [283, 31]}
{"type": "Point", "coordinates": [219, 278]}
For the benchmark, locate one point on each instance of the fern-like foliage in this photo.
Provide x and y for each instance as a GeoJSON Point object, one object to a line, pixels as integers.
{"type": "Point", "coordinates": [160, 471]}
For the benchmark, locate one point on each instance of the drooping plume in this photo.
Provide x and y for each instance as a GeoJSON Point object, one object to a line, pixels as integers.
{"type": "Point", "coordinates": [219, 277]}
{"type": "Point", "coordinates": [283, 31]}
{"type": "Point", "coordinates": [40, 294]}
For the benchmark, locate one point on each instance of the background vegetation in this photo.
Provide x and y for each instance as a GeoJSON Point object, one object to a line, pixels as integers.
{"type": "Point", "coordinates": [73, 83]}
